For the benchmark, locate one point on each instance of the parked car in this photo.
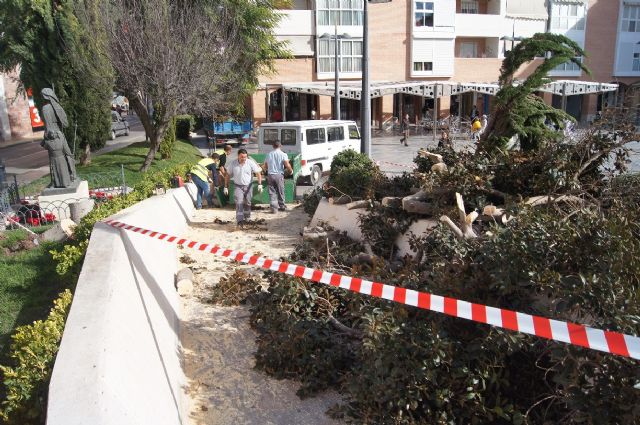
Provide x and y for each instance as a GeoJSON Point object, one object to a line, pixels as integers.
{"type": "Point", "coordinates": [119, 127]}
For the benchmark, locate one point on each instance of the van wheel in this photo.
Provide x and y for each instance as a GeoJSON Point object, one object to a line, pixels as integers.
{"type": "Point", "coordinates": [316, 174]}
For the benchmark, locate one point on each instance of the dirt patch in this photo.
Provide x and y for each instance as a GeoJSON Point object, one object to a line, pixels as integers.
{"type": "Point", "coordinates": [219, 344]}
{"type": "Point", "coordinates": [18, 247]}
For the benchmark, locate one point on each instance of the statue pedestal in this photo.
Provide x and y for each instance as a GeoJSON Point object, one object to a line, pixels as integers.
{"type": "Point", "coordinates": [56, 200]}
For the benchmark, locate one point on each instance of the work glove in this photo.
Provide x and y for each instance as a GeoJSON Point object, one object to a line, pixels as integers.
{"type": "Point", "coordinates": [226, 191]}
{"type": "Point", "coordinates": [259, 188]}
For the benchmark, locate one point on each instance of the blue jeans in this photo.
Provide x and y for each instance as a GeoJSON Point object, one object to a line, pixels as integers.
{"type": "Point", "coordinates": [203, 188]}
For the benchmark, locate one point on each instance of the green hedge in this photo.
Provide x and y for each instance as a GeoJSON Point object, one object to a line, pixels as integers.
{"type": "Point", "coordinates": [35, 346]}
{"type": "Point", "coordinates": [185, 124]}
{"type": "Point", "coordinates": [33, 351]}
{"type": "Point", "coordinates": [168, 141]}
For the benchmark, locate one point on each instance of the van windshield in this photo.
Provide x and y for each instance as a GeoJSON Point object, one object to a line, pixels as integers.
{"type": "Point", "coordinates": [353, 132]}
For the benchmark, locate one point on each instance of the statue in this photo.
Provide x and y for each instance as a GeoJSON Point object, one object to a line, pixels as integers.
{"type": "Point", "coordinates": [61, 161]}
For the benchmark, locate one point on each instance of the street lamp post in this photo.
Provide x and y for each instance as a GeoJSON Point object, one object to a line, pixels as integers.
{"type": "Point", "coordinates": [365, 97]}
{"type": "Point", "coordinates": [337, 38]}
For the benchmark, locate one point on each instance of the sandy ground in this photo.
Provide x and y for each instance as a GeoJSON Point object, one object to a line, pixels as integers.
{"type": "Point", "coordinates": [223, 386]}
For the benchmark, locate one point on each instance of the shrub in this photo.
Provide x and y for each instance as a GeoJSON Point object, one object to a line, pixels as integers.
{"type": "Point", "coordinates": [353, 174]}
{"type": "Point", "coordinates": [168, 141]}
{"type": "Point", "coordinates": [34, 348]}
{"type": "Point", "coordinates": [185, 124]}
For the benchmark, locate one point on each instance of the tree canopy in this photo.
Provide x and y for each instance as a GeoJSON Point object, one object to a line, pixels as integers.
{"type": "Point", "coordinates": [46, 42]}
{"type": "Point", "coordinates": [181, 57]}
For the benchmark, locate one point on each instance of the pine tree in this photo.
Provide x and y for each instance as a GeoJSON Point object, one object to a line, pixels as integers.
{"type": "Point", "coordinates": [518, 111]}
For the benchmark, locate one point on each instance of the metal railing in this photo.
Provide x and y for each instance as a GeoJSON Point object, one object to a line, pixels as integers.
{"type": "Point", "coordinates": [30, 211]}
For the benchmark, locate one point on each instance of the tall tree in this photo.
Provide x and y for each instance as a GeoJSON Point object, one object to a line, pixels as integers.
{"type": "Point", "coordinates": [187, 56]}
{"type": "Point", "coordinates": [517, 110]}
{"type": "Point", "coordinates": [46, 41]}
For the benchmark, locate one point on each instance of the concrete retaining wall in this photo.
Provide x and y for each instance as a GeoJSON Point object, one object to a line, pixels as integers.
{"type": "Point", "coordinates": [120, 357]}
{"type": "Point", "coordinates": [345, 220]}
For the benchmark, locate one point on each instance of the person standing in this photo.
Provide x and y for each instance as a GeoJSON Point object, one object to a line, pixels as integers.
{"type": "Point", "coordinates": [474, 112]}
{"type": "Point", "coordinates": [405, 130]}
{"type": "Point", "coordinates": [224, 155]}
{"type": "Point", "coordinates": [476, 127]}
{"type": "Point", "coordinates": [276, 162]}
{"type": "Point", "coordinates": [241, 171]}
{"type": "Point", "coordinates": [203, 173]}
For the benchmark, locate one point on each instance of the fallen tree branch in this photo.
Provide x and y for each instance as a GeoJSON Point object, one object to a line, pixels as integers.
{"type": "Point", "coordinates": [354, 333]}
{"type": "Point", "coordinates": [535, 201]}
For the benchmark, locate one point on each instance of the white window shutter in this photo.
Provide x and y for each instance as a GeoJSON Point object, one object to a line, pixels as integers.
{"type": "Point", "coordinates": [445, 13]}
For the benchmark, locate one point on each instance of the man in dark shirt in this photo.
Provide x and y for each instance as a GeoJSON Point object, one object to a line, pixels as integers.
{"type": "Point", "coordinates": [223, 158]}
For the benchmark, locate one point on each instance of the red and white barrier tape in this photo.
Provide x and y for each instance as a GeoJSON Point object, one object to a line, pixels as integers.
{"type": "Point", "coordinates": [571, 333]}
{"type": "Point", "coordinates": [411, 167]}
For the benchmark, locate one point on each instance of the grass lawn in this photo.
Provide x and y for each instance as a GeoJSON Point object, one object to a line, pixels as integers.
{"type": "Point", "coordinates": [28, 285]}
{"type": "Point", "coordinates": [104, 170]}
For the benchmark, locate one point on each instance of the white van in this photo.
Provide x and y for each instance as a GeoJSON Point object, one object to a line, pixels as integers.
{"type": "Point", "coordinates": [317, 141]}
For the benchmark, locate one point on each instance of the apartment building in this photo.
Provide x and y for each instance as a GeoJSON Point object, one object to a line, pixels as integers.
{"type": "Point", "coordinates": [449, 41]}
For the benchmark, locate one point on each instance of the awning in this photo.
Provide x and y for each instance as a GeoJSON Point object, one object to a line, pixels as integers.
{"type": "Point", "coordinates": [573, 1]}
{"type": "Point", "coordinates": [430, 89]}
{"type": "Point", "coordinates": [527, 9]}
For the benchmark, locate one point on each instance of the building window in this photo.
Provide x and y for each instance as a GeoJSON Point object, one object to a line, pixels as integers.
{"type": "Point", "coordinates": [567, 16]}
{"type": "Point", "coordinates": [468, 49]}
{"type": "Point", "coordinates": [340, 12]}
{"type": "Point", "coordinates": [469, 6]}
{"type": "Point", "coordinates": [350, 56]}
{"type": "Point", "coordinates": [568, 66]}
{"type": "Point", "coordinates": [631, 18]}
{"type": "Point", "coordinates": [636, 61]}
{"type": "Point", "coordinates": [422, 66]}
{"type": "Point", "coordinates": [424, 14]}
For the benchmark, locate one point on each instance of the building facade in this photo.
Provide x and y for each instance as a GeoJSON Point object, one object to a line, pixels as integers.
{"type": "Point", "coordinates": [445, 40]}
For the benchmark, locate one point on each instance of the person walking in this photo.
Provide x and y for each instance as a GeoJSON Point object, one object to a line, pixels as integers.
{"type": "Point", "coordinates": [202, 174]}
{"type": "Point", "coordinates": [241, 171]}
{"type": "Point", "coordinates": [476, 127]}
{"type": "Point", "coordinates": [405, 130]}
{"type": "Point", "coordinates": [276, 162]}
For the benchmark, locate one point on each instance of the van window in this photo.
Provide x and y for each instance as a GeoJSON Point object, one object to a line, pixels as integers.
{"type": "Point", "coordinates": [353, 132]}
{"type": "Point", "coordinates": [289, 136]}
{"type": "Point", "coordinates": [315, 136]}
{"type": "Point", "coordinates": [270, 135]}
{"type": "Point", "coordinates": [335, 134]}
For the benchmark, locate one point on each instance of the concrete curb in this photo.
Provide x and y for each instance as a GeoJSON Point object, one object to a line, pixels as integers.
{"type": "Point", "coordinates": [120, 356]}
